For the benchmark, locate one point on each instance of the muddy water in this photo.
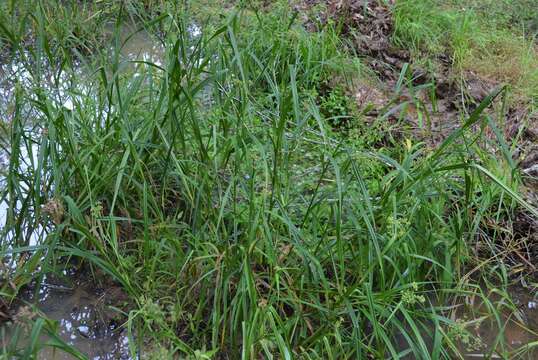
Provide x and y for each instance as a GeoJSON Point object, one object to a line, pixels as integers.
{"type": "Point", "coordinates": [85, 318]}
{"type": "Point", "coordinates": [478, 334]}
{"type": "Point", "coordinates": [138, 45]}
{"type": "Point", "coordinates": [517, 328]}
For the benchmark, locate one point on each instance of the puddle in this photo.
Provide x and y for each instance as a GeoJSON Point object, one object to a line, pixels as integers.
{"type": "Point", "coordinates": [519, 326]}
{"type": "Point", "coordinates": [85, 321]}
{"type": "Point", "coordinates": [478, 334]}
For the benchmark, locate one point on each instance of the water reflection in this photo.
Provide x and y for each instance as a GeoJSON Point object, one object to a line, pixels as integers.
{"type": "Point", "coordinates": [139, 46]}
{"type": "Point", "coordinates": [85, 318]}
{"type": "Point", "coordinates": [477, 333]}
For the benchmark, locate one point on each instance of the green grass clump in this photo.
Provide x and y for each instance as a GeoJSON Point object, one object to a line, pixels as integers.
{"type": "Point", "coordinates": [214, 190]}
{"type": "Point", "coordinates": [492, 39]}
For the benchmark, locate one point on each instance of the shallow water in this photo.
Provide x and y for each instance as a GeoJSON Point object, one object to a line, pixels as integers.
{"type": "Point", "coordinates": [85, 319]}
{"type": "Point", "coordinates": [81, 311]}
{"type": "Point", "coordinates": [519, 326]}
{"type": "Point", "coordinates": [476, 332]}
{"type": "Point", "coordinates": [140, 46]}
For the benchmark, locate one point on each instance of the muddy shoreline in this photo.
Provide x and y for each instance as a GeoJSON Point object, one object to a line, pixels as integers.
{"type": "Point", "coordinates": [417, 105]}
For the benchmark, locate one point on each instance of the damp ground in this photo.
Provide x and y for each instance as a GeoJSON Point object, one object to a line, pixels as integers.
{"type": "Point", "coordinates": [245, 225]}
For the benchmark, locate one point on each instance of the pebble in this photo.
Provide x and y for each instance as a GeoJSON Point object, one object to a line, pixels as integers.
{"type": "Point", "coordinates": [84, 331]}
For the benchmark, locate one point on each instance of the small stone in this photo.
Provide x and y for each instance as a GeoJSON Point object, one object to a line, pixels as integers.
{"type": "Point", "coordinates": [84, 331]}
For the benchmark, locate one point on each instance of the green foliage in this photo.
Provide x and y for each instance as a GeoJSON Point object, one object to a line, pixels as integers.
{"type": "Point", "coordinates": [243, 225]}
{"type": "Point", "coordinates": [337, 107]}
{"type": "Point", "coordinates": [493, 39]}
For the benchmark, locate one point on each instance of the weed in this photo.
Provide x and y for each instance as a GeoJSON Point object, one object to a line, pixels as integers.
{"type": "Point", "coordinates": [213, 189]}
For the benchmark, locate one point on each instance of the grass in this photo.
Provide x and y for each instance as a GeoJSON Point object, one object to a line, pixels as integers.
{"type": "Point", "coordinates": [494, 39]}
{"type": "Point", "coordinates": [246, 225]}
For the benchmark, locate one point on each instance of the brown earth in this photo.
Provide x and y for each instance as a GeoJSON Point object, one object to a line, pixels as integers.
{"type": "Point", "coordinates": [432, 104]}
